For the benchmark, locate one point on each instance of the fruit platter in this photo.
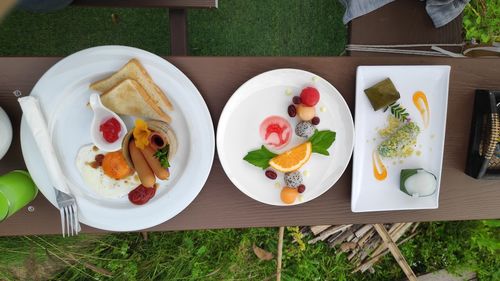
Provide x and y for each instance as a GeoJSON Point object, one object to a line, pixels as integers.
{"type": "Point", "coordinates": [285, 137]}
{"type": "Point", "coordinates": [117, 120]}
{"type": "Point", "coordinates": [400, 130]}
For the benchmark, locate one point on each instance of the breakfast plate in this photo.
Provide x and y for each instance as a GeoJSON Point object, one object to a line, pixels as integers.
{"type": "Point", "coordinates": [63, 93]}
{"type": "Point", "coordinates": [304, 108]}
{"type": "Point", "coordinates": [399, 143]}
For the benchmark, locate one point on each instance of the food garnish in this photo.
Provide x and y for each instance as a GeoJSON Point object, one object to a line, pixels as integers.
{"type": "Point", "coordinates": [401, 143]}
{"type": "Point", "coordinates": [260, 157]}
{"type": "Point", "coordinates": [110, 130]}
{"type": "Point", "coordinates": [304, 129]}
{"type": "Point", "coordinates": [271, 174]}
{"type": "Point", "coordinates": [115, 166]}
{"type": "Point", "coordinates": [288, 195]}
{"type": "Point", "coordinates": [296, 100]}
{"type": "Point", "coordinates": [154, 163]}
{"type": "Point", "coordinates": [162, 155]}
{"type": "Point", "coordinates": [399, 112]}
{"type": "Point", "coordinates": [322, 140]}
{"type": "Point", "coordinates": [292, 110]}
{"type": "Point", "coordinates": [275, 131]}
{"type": "Point", "coordinates": [292, 159]}
{"type": "Point", "coordinates": [306, 113]}
{"type": "Point", "coordinates": [420, 98]}
{"type": "Point", "coordinates": [141, 194]}
{"type": "Point", "coordinates": [293, 179]}
{"type": "Point", "coordinates": [417, 182]}
{"type": "Point", "coordinates": [301, 188]}
{"type": "Point", "coordinates": [379, 170]}
{"type": "Point", "coordinates": [382, 94]}
{"type": "Point", "coordinates": [295, 157]}
{"type": "Point", "coordinates": [309, 96]}
{"type": "Point", "coordinates": [141, 133]}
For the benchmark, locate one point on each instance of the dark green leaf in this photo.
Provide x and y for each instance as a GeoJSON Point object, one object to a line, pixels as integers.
{"type": "Point", "coordinates": [321, 141]}
{"type": "Point", "coordinates": [162, 155]}
{"type": "Point", "coordinates": [259, 157]}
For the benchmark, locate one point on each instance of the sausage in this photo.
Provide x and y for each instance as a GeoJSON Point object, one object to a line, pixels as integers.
{"type": "Point", "coordinates": [149, 154]}
{"type": "Point", "coordinates": [145, 173]}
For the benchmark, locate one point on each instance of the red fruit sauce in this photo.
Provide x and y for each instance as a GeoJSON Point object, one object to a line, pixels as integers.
{"type": "Point", "coordinates": [110, 130]}
{"type": "Point", "coordinates": [275, 131]}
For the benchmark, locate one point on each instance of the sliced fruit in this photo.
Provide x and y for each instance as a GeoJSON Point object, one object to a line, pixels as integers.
{"type": "Point", "coordinates": [288, 195]}
{"type": "Point", "coordinates": [292, 159]}
{"type": "Point", "coordinates": [275, 131]}
{"type": "Point", "coordinates": [309, 96]}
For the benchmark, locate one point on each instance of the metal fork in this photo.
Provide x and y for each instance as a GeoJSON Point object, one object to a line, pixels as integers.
{"type": "Point", "coordinates": [69, 213]}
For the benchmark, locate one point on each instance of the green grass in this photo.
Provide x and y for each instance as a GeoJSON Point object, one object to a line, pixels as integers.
{"type": "Point", "coordinates": [227, 255]}
{"type": "Point", "coordinates": [482, 21]}
{"type": "Point", "coordinates": [238, 27]}
{"type": "Point", "coordinates": [72, 29]}
{"type": "Point", "coordinates": [283, 28]}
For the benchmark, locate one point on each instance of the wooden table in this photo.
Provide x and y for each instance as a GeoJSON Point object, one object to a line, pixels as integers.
{"type": "Point", "coordinates": [402, 22]}
{"type": "Point", "coordinates": [221, 205]}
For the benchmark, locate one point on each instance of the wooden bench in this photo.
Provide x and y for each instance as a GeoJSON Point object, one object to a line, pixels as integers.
{"type": "Point", "coordinates": [177, 15]}
{"type": "Point", "coordinates": [402, 22]}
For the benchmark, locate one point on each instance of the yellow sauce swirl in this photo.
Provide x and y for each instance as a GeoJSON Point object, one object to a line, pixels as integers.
{"type": "Point", "coordinates": [420, 102]}
{"type": "Point", "coordinates": [380, 172]}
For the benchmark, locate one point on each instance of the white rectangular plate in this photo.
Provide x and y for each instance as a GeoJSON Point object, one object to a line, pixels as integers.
{"type": "Point", "coordinates": [370, 194]}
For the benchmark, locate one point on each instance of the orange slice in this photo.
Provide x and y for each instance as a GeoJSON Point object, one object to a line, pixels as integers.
{"type": "Point", "coordinates": [292, 159]}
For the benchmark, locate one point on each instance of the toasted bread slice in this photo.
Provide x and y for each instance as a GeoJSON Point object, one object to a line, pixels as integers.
{"type": "Point", "coordinates": [130, 98]}
{"type": "Point", "coordinates": [134, 70]}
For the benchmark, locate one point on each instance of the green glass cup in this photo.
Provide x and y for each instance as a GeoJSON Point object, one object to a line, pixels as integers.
{"type": "Point", "coordinates": [17, 189]}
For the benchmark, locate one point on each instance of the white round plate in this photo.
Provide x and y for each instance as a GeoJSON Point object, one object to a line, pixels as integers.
{"type": "Point", "coordinates": [63, 92]}
{"type": "Point", "coordinates": [270, 93]}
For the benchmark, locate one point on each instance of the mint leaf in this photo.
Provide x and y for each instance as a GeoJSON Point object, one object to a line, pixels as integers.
{"type": "Point", "coordinates": [321, 141]}
{"type": "Point", "coordinates": [259, 157]}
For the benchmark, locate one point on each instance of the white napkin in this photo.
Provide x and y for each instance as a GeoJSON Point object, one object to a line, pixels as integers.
{"type": "Point", "coordinates": [36, 121]}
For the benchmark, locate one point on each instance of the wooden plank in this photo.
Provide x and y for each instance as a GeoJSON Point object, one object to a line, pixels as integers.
{"type": "Point", "coordinates": [149, 3]}
{"type": "Point", "coordinates": [402, 22]}
{"type": "Point", "coordinates": [443, 275]}
{"type": "Point", "coordinates": [178, 32]}
{"type": "Point", "coordinates": [221, 205]}
{"type": "Point", "coordinates": [319, 228]}
{"type": "Point", "coordinates": [395, 251]}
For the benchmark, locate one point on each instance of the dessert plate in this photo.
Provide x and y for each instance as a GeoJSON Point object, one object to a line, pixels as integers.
{"type": "Point", "coordinates": [370, 194]}
{"type": "Point", "coordinates": [269, 94]}
{"type": "Point", "coordinates": [63, 92]}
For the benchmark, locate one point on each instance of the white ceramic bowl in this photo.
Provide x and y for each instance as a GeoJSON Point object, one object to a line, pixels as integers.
{"type": "Point", "coordinates": [5, 133]}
